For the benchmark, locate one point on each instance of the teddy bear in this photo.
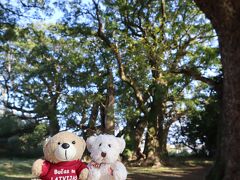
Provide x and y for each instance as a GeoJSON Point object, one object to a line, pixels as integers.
{"type": "Point", "coordinates": [104, 151]}
{"type": "Point", "coordinates": [62, 154]}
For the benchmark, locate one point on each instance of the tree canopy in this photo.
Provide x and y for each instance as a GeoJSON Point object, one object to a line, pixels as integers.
{"type": "Point", "coordinates": [133, 68]}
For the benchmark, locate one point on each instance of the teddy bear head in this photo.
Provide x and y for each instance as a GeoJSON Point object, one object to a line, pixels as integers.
{"type": "Point", "coordinates": [105, 148]}
{"type": "Point", "coordinates": [64, 146]}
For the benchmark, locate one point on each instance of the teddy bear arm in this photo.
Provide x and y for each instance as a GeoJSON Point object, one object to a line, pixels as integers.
{"type": "Point", "coordinates": [119, 171]}
{"type": "Point", "coordinates": [84, 174]}
{"type": "Point", "coordinates": [94, 174]}
{"type": "Point", "coordinates": [39, 168]}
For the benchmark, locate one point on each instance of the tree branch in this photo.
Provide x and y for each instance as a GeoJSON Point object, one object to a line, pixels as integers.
{"type": "Point", "coordinates": [198, 76]}
{"type": "Point", "coordinates": [118, 56]}
{"type": "Point", "coordinates": [12, 107]}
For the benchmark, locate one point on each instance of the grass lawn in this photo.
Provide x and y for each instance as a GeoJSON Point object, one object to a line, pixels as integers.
{"type": "Point", "coordinates": [19, 169]}
{"type": "Point", "coordinates": [15, 169]}
{"type": "Point", "coordinates": [179, 168]}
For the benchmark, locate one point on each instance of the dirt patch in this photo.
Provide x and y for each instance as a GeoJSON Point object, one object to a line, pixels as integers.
{"type": "Point", "coordinates": [189, 173]}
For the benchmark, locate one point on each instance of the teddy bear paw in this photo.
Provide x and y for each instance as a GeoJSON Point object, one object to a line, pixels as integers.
{"type": "Point", "coordinates": [84, 174]}
{"type": "Point", "coordinates": [37, 167]}
{"type": "Point", "coordinates": [94, 174]}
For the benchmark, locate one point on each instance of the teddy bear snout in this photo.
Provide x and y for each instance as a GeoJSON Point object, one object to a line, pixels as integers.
{"type": "Point", "coordinates": [103, 154]}
{"type": "Point", "coordinates": [65, 145]}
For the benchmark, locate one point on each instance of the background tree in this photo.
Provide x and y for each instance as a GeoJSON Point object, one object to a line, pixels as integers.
{"type": "Point", "coordinates": [37, 81]}
{"type": "Point", "coordinates": [151, 42]}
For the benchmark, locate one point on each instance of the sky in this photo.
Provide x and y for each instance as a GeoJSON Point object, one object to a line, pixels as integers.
{"type": "Point", "coordinates": [55, 11]}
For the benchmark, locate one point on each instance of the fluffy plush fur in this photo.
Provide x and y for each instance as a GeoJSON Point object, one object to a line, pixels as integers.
{"type": "Point", "coordinates": [105, 150]}
{"type": "Point", "coordinates": [62, 154]}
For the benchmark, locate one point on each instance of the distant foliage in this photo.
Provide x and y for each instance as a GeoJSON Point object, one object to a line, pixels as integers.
{"type": "Point", "coordinates": [18, 140]}
{"type": "Point", "coordinates": [198, 130]}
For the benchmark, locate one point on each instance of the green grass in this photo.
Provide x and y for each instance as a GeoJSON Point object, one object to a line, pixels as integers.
{"type": "Point", "coordinates": [19, 169]}
{"type": "Point", "coordinates": [15, 169]}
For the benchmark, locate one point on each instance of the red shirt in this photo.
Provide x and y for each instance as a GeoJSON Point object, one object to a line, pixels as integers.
{"type": "Point", "coordinates": [69, 170]}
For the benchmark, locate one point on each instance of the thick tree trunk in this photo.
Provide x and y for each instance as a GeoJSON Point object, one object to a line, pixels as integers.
{"type": "Point", "coordinates": [162, 139]}
{"type": "Point", "coordinates": [137, 136]}
{"type": "Point", "coordinates": [152, 144]}
{"type": "Point", "coordinates": [91, 127]}
{"type": "Point", "coordinates": [230, 146]}
{"type": "Point", "coordinates": [225, 16]}
{"type": "Point", "coordinates": [151, 147]}
{"type": "Point", "coordinates": [53, 120]}
{"type": "Point", "coordinates": [109, 122]}
{"type": "Point", "coordinates": [155, 146]}
{"type": "Point", "coordinates": [53, 124]}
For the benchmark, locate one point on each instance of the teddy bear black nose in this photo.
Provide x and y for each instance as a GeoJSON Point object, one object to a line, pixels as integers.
{"type": "Point", "coordinates": [65, 145]}
{"type": "Point", "coordinates": [103, 154]}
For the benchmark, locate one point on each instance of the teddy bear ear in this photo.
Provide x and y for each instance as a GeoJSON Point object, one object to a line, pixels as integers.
{"type": "Point", "coordinates": [121, 143]}
{"type": "Point", "coordinates": [46, 141]}
{"type": "Point", "coordinates": [90, 141]}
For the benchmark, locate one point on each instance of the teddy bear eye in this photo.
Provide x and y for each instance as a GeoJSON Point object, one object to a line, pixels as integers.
{"type": "Point", "coordinates": [73, 142]}
{"type": "Point", "coordinates": [59, 143]}
{"type": "Point", "coordinates": [109, 145]}
{"type": "Point", "coordinates": [100, 144]}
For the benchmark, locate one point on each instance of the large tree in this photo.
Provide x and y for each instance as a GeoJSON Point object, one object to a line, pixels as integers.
{"type": "Point", "coordinates": [224, 16]}
{"type": "Point", "coordinates": [157, 47]}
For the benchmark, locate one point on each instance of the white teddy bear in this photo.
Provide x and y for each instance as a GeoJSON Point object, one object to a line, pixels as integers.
{"type": "Point", "coordinates": [105, 150]}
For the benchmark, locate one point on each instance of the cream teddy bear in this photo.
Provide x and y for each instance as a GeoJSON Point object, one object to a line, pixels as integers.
{"type": "Point", "coordinates": [62, 154]}
{"type": "Point", "coordinates": [105, 150]}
